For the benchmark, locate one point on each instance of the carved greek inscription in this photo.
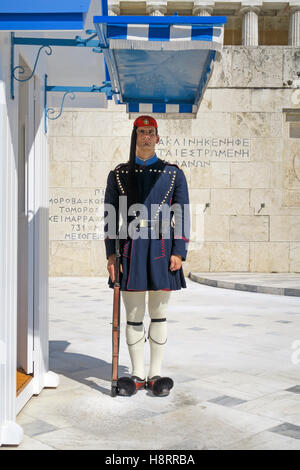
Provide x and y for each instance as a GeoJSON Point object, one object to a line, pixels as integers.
{"type": "Point", "coordinates": [189, 152]}
{"type": "Point", "coordinates": [79, 218]}
{"type": "Point", "coordinates": [291, 173]}
{"type": "Point", "coordinates": [291, 198]}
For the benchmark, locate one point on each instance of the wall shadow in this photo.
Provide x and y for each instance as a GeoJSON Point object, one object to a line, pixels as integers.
{"type": "Point", "coordinates": [80, 367]}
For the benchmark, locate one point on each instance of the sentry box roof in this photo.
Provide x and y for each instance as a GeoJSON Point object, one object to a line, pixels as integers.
{"type": "Point", "coordinates": [160, 64]}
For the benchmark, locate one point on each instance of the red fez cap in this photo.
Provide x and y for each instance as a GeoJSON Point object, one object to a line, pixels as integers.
{"type": "Point", "coordinates": [144, 121]}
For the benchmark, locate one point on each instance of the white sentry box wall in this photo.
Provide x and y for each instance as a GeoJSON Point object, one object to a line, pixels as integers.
{"type": "Point", "coordinates": [34, 294]}
{"type": "Point", "coordinates": [31, 296]}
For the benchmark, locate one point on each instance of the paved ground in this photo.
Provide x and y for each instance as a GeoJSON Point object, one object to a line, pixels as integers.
{"type": "Point", "coordinates": [234, 357]}
{"type": "Point", "coordinates": [267, 283]}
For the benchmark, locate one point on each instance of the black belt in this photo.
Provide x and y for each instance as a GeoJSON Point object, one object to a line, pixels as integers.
{"type": "Point", "coordinates": [148, 222]}
{"type": "Point", "coordinates": [154, 223]}
{"type": "Point", "coordinates": [151, 223]}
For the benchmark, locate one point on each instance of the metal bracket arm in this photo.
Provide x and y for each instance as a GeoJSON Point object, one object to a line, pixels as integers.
{"type": "Point", "coordinates": [46, 43]}
{"type": "Point", "coordinates": [71, 90]}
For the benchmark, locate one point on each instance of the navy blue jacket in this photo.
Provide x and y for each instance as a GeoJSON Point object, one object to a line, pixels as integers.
{"type": "Point", "coordinates": [146, 259]}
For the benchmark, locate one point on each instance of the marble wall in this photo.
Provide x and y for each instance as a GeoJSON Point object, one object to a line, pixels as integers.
{"type": "Point", "coordinates": [242, 168]}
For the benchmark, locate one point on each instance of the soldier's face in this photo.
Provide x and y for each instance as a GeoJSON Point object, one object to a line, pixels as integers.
{"type": "Point", "coordinates": [146, 137]}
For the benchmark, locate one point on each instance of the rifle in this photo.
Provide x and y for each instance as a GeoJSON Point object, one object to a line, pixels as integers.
{"type": "Point", "coordinates": [116, 322]}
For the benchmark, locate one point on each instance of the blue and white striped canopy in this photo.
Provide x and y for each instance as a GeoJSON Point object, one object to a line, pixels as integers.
{"type": "Point", "coordinates": [160, 64]}
{"type": "Point", "coordinates": [211, 37]}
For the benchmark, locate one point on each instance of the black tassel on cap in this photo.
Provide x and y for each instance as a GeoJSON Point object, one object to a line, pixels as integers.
{"type": "Point", "coordinates": [132, 180]}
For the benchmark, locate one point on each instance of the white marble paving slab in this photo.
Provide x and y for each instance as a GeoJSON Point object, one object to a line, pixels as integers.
{"type": "Point", "coordinates": [281, 405]}
{"type": "Point", "coordinates": [265, 440]}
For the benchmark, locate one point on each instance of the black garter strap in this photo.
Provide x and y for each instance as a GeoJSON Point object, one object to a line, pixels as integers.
{"type": "Point", "coordinates": [137, 323]}
{"type": "Point", "coordinates": [156, 320]}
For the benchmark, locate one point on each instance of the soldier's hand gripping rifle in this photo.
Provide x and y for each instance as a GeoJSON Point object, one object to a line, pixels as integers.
{"type": "Point", "coordinates": [116, 322]}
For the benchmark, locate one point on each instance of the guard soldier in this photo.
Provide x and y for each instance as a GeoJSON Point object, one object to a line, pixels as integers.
{"type": "Point", "coordinates": [153, 247]}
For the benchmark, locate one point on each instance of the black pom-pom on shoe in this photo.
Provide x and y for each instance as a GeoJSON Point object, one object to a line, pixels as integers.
{"type": "Point", "coordinates": [160, 386]}
{"type": "Point", "coordinates": [128, 386]}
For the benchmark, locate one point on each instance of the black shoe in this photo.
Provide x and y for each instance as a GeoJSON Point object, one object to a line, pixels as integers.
{"type": "Point", "coordinates": [128, 386]}
{"type": "Point", "coordinates": [160, 386]}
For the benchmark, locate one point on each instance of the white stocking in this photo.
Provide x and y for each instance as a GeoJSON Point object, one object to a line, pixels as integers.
{"type": "Point", "coordinates": [157, 304]}
{"type": "Point", "coordinates": [135, 334]}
